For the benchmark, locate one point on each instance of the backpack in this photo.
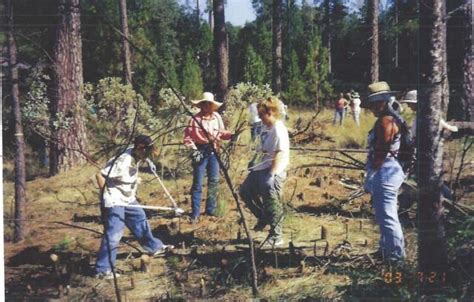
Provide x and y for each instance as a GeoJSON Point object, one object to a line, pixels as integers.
{"type": "Point", "coordinates": [406, 152]}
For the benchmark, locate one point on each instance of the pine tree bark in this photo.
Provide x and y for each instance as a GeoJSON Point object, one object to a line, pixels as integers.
{"type": "Point", "coordinates": [432, 250]}
{"type": "Point", "coordinates": [70, 140]}
{"type": "Point", "coordinates": [277, 47]}
{"type": "Point", "coordinates": [126, 55]}
{"type": "Point", "coordinates": [328, 30]}
{"type": "Point", "coordinates": [210, 15]}
{"type": "Point", "coordinates": [20, 174]}
{"type": "Point", "coordinates": [468, 66]}
{"type": "Point", "coordinates": [220, 47]}
{"type": "Point", "coordinates": [374, 22]}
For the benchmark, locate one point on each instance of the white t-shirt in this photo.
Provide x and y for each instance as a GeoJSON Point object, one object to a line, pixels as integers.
{"type": "Point", "coordinates": [121, 184]}
{"type": "Point", "coordinates": [356, 104]}
{"type": "Point", "coordinates": [253, 113]}
{"type": "Point", "coordinates": [274, 139]}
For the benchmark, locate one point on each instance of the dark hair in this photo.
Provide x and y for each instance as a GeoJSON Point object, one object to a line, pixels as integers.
{"type": "Point", "coordinates": [143, 140]}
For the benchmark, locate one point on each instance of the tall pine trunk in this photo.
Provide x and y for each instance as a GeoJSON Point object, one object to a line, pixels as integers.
{"type": "Point", "coordinates": [220, 48]}
{"type": "Point", "coordinates": [374, 24]}
{"type": "Point", "coordinates": [468, 66]}
{"type": "Point", "coordinates": [70, 141]}
{"type": "Point", "coordinates": [20, 175]}
{"type": "Point", "coordinates": [277, 47]}
{"type": "Point", "coordinates": [126, 56]}
{"type": "Point", "coordinates": [328, 30]}
{"type": "Point", "coordinates": [432, 250]}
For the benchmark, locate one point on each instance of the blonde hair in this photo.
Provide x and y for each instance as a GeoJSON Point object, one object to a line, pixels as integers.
{"type": "Point", "coordinates": [271, 104]}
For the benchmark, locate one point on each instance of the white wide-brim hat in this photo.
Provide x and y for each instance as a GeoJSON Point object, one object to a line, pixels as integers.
{"type": "Point", "coordinates": [410, 97]}
{"type": "Point", "coordinates": [207, 97]}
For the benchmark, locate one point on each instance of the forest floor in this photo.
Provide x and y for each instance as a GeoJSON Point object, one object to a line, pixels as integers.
{"type": "Point", "coordinates": [210, 258]}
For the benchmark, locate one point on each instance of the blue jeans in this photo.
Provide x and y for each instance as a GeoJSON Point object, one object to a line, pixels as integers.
{"type": "Point", "coordinates": [262, 194]}
{"type": "Point", "coordinates": [210, 165]}
{"type": "Point", "coordinates": [115, 220]}
{"type": "Point", "coordinates": [338, 113]}
{"type": "Point", "coordinates": [383, 185]}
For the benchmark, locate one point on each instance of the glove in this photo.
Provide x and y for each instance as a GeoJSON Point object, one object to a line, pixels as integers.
{"type": "Point", "coordinates": [197, 156]}
{"type": "Point", "coordinates": [151, 165]}
{"type": "Point", "coordinates": [270, 181]}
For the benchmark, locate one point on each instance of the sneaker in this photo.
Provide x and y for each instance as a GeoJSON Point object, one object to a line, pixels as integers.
{"type": "Point", "coordinates": [108, 275]}
{"type": "Point", "coordinates": [274, 242]}
{"type": "Point", "coordinates": [162, 250]}
{"type": "Point", "coordinates": [259, 226]}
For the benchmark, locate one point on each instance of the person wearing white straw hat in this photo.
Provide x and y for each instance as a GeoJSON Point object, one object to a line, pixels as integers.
{"type": "Point", "coordinates": [202, 135]}
{"type": "Point", "coordinates": [355, 107]}
{"type": "Point", "coordinates": [384, 172]}
{"type": "Point", "coordinates": [411, 99]}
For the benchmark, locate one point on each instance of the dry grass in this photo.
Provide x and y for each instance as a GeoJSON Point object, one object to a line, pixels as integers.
{"type": "Point", "coordinates": [71, 197]}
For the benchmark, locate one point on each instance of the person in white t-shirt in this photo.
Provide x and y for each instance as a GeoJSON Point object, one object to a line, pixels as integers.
{"type": "Point", "coordinates": [254, 121]}
{"type": "Point", "coordinates": [355, 106]}
{"type": "Point", "coordinates": [262, 189]}
{"type": "Point", "coordinates": [118, 181]}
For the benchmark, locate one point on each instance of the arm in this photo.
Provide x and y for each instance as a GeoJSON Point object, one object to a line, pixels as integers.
{"type": "Point", "coordinates": [385, 133]}
{"type": "Point", "coordinates": [100, 180]}
{"type": "Point", "coordinates": [223, 134]}
{"type": "Point", "coordinates": [188, 140]}
{"type": "Point", "coordinates": [277, 163]}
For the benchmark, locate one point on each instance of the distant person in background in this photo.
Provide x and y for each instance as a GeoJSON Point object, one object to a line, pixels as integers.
{"type": "Point", "coordinates": [355, 107]}
{"type": "Point", "coordinates": [263, 188]}
{"type": "Point", "coordinates": [254, 121]}
{"type": "Point", "coordinates": [203, 144]}
{"type": "Point", "coordinates": [340, 107]}
{"type": "Point", "coordinates": [283, 110]}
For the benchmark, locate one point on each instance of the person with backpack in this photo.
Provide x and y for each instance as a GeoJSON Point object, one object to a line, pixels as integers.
{"type": "Point", "coordinates": [203, 134]}
{"type": "Point", "coordinates": [118, 185]}
{"type": "Point", "coordinates": [384, 171]}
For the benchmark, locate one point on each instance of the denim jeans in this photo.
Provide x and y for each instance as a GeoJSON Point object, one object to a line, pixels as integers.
{"type": "Point", "coordinates": [262, 194]}
{"type": "Point", "coordinates": [210, 165]}
{"type": "Point", "coordinates": [383, 185]}
{"type": "Point", "coordinates": [115, 220]}
{"type": "Point", "coordinates": [339, 113]}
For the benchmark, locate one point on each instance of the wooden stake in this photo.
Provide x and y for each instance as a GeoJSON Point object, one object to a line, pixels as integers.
{"type": "Point", "coordinates": [203, 288]}
{"type": "Point", "coordinates": [302, 266]}
{"type": "Point", "coordinates": [145, 264]}
{"type": "Point", "coordinates": [360, 225]}
{"type": "Point", "coordinates": [326, 249]}
{"type": "Point", "coordinates": [324, 233]}
{"type": "Point", "coordinates": [314, 249]}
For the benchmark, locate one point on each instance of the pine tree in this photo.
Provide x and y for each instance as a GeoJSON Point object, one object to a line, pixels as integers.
{"type": "Point", "coordinates": [192, 87]}
{"type": "Point", "coordinates": [316, 71]}
{"type": "Point", "coordinates": [296, 91]}
{"type": "Point", "coordinates": [69, 130]}
{"type": "Point", "coordinates": [254, 69]}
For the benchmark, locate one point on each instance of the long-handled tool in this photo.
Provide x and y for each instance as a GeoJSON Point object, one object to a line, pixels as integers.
{"type": "Point", "coordinates": [177, 210]}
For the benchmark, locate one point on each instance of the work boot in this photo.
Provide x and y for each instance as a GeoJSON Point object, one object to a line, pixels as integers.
{"type": "Point", "coordinates": [108, 275]}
